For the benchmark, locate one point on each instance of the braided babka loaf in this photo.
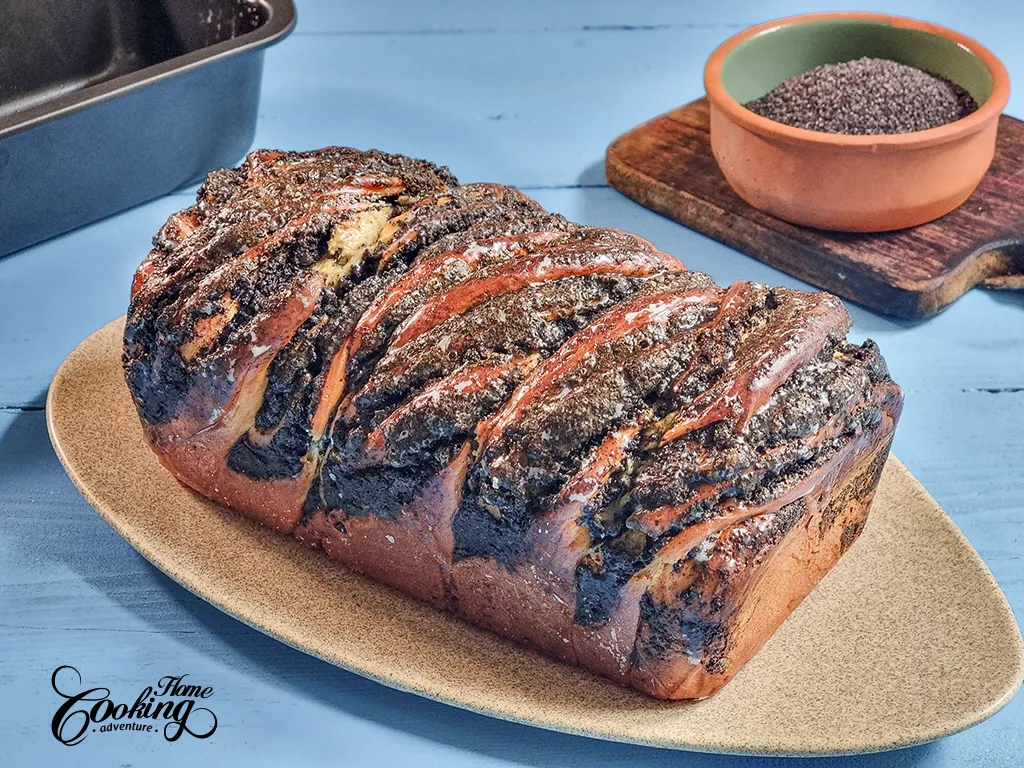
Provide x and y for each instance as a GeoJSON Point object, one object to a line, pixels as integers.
{"type": "Point", "coordinates": [554, 431]}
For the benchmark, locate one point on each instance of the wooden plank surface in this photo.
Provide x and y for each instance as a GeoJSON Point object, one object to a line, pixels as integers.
{"type": "Point", "coordinates": [666, 164]}
{"type": "Point", "coordinates": [529, 94]}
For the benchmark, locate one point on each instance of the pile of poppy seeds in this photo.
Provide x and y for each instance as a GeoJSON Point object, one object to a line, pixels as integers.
{"type": "Point", "coordinates": [865, 97]}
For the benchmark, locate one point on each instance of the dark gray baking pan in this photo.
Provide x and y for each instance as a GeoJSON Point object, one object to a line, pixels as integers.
{"type": "Point", "coordinates": [107, 103]}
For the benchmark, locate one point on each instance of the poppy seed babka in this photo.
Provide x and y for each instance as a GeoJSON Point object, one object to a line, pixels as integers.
{"type": "Point", "coordinates": [554, 431]}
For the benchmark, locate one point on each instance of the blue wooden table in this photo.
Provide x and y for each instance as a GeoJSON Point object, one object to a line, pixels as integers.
{"type": "Point", "coordinates": [528, 94]}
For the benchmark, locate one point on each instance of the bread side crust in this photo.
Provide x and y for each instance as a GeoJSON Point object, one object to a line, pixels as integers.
{"type": "Point", "coordinates": [194, 446]}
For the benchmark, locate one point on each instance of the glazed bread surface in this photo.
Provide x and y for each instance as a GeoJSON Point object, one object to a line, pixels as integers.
{"type": "Point", "coordinates": [554, 431]}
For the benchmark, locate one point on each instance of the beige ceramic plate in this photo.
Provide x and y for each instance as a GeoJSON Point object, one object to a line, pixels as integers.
{"type": "Point", "coordinates": [906, 640]}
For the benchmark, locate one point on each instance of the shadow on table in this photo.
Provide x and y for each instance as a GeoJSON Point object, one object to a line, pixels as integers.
{"type": "Point", "coordinates": [90, 548]}
{"type": "Point", "coordinates": [1014, 298]}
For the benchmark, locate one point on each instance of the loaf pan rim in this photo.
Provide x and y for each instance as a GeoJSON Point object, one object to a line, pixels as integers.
{"type": "Point", "coordinates": [279, 24]}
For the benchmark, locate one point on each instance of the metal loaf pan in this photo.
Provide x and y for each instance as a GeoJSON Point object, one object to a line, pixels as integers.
{"type": "Point", "coordinates": [107, 103]}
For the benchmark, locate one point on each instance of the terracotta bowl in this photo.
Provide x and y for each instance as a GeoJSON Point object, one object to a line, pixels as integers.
{"type": "Point", "coordinates": [840, 182]}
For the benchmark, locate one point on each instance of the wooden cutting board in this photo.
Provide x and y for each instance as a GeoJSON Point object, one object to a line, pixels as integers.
{"type": "Point", "coordinates": [666, 165]}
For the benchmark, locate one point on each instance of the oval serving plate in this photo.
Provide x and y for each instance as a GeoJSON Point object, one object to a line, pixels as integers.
{"type": "Point", "coordinates": [908, 639]}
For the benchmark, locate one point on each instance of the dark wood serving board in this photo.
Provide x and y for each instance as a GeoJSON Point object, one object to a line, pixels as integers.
{"type": "Point", "coordinates": [667, 166]}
